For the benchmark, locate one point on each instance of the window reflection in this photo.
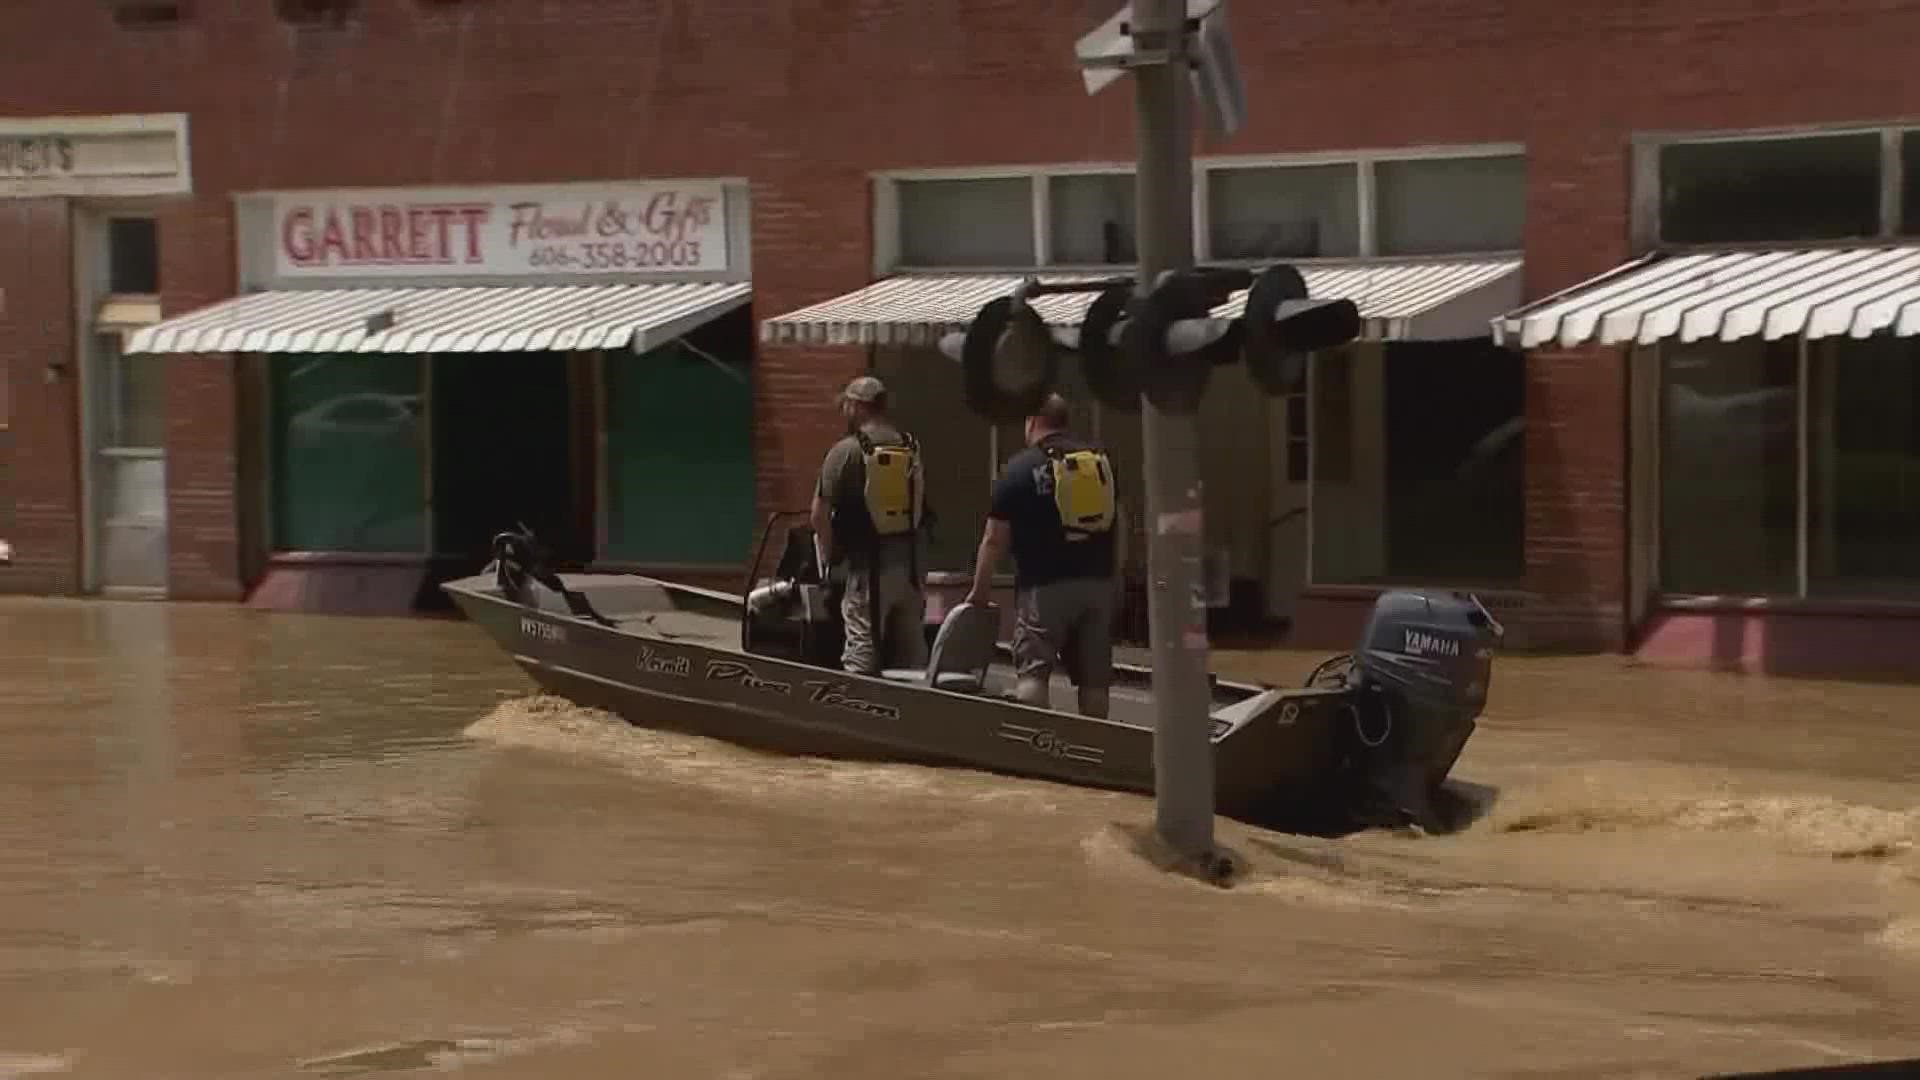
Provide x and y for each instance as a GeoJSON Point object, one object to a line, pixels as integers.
{"type": "Point", "coordinates": [1418, 464]}
{"type": "Point", "coordinates": [1864, 469]}
{"type": "Point", "coordinates": [1729, 468]}
{"type": "Point", "coordinates": [348, 454]}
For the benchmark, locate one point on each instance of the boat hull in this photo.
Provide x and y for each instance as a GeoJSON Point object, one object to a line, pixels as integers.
{"type": "Point", "coordinates": [1279, 754]}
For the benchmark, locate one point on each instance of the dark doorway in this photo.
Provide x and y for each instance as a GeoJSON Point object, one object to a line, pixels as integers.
{"type": "Point", "coordinates": [502, 456]}
{"type": "Point", "coordinates": [1455, 500]}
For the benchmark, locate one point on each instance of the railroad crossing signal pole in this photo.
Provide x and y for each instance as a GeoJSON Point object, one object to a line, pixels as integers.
{"type": "Point", "coordinates": [1148, 344]}
{"type": "Point", "coordinates": [1155, 39]}
{"type": "Point", "coordinates": [1176, 602]}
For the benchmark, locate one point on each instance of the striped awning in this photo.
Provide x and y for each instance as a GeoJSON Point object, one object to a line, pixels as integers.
{"type": "Point", "coordinates": [1730, 295]}
{"type": "Point", "coordinates": [1398, 300]}
{"type": "Point", "coordinates": [488, 318]}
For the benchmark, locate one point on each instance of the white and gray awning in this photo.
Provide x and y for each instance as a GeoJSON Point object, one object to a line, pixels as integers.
{"type": "Point", "coordinates": [1398, 300]}
{"type": "Point", "coordinates": [1728, 296]}
{"type": "Point", "coordinates": [487, 318]}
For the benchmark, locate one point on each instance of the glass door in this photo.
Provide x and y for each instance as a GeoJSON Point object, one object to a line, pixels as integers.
{"type": "Point", "coordinates": [129, 463]}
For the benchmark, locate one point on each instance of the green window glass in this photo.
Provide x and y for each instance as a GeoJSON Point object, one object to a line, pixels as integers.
{"type": "Point", "coordinates": [679, 459]}
{"type": "Point", "coordinates": [347, 445]}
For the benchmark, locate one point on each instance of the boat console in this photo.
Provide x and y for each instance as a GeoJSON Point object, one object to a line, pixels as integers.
{"type": "Point", "coordinates": [796, 616]}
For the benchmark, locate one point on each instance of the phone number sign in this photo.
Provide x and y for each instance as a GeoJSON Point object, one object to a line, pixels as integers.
{"type": "Point", "coordinates": [627, 229]}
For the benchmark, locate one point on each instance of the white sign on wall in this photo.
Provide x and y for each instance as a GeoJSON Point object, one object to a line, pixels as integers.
{"type": "Point", "coordinates": [617, 229]}
{"type": "Point", "coordinates": [94, 155]}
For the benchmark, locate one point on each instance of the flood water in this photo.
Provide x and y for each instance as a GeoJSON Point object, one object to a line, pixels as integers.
{"type": "Point", "coordinates": [254, 846]}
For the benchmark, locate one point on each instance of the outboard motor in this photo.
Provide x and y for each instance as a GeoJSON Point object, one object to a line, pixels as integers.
{"type": "Point", "coordinates": [520, 563]}
{"type": "Point", "coordinates": [1421, 676]}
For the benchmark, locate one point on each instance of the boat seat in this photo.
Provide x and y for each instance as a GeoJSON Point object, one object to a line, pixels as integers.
{"type": "Point", "coordinates": [961, 652]}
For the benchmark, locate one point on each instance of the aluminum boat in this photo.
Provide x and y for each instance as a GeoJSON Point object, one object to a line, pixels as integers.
{"type": "Point", "coordinates": [1367, 742]}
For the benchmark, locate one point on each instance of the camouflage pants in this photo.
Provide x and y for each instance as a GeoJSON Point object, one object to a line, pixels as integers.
{"type": "Point", "coordinates": [897, 613]}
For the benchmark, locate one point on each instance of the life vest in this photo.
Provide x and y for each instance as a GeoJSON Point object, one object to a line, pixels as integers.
{"type": "Point", "coordinates": [893, 485]}
{"type": "Point", "coordinates": [1082, 489]}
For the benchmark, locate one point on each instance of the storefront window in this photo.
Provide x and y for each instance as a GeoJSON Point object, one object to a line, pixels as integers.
{"type": "Point", "coordinates": [1092, 219]}
{"type": "Point", "coordinates": [1863, 502]}
{"type": "Point", "coordinates": [679, 458]}
{"type": "Point", "coordinates": [1729, 472]}
{"type": "Point", "coordinates": [348, 454]}
{"type": "Point", "coordinates": [1120, 432]}
{"type": "Point", "coordinates": [1910, 183]}
{"type": "Point", "coordinates": [961, 223]}
{"type": "Point", "coordinates": [133, 256]}
{"type": "Point", "coordinates": [1433, 206]}
{"type": "Point", "coordinates": [1291, 212]}
{"type": "Point", "coordinates": [1824, 187]}
{"type": "Point", "coordinates": [1418, 458]}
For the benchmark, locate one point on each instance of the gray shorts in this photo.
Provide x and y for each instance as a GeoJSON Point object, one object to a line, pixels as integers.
{"type": "Point", "coordinates": [1066, 622]}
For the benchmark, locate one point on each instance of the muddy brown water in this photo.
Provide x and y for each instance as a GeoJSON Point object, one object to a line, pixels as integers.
{"type": "Point", "coordinates": [252, 846]}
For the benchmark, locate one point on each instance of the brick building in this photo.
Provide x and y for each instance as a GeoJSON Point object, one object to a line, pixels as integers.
{"type": "Point", "coordinates": [270, 271]}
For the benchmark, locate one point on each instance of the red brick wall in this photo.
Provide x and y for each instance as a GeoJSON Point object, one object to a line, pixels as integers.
{"type": "Point", "coordinates": [203, 539]}
{"type": "Point", "coordinates": [36, 329]}
{"type": "Point", "coordinates": [1576, 517]}
{"type": "Point", "coordinates": [805, 97]}
{"type": "Point", "coordinates": [810, 242]}
{"type": "Point", "coordinates": [6, 473]}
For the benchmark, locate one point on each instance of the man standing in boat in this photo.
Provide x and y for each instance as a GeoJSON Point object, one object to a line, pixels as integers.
{"type": "Point", "coordinates": [1054, 508]}
{"type": "Point", "coordinates": [867, 510]}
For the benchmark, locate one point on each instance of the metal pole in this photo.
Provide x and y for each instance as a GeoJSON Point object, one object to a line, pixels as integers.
{"type": "Point", "coordinates": [1182, 745]}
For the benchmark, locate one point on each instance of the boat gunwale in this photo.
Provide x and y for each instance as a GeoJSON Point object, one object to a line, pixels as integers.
{"type": "Point", "coordinates": [487, 592]}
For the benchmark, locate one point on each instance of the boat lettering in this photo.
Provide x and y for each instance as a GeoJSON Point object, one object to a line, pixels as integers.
{"type": "Point", "coordinates": [1048, 742]}
{"type": "Point", "coordinates": [1421, 643]}
{"type": "Point", "coordinates": [735, 671]}
{"type": "Point", "coordinates": [542, 631]}
{"type": "Point", "coordinates": [655, 663]}
{"type": "Point", "coordinates": [834, 696]}
{"type": "Point", "coordinates": [1289, 713]}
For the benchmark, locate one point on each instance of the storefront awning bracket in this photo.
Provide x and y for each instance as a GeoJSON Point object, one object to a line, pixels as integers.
{"type": "Point", "coordinates": [729, 370]}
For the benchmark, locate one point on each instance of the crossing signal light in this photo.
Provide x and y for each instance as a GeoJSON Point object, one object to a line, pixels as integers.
{"type": "Point", "coordinates": [1008, 358]}
{"type": "Point", "coordinates": [1162, 345]}
{"type": "Point", "coordinates": [1283, 325]}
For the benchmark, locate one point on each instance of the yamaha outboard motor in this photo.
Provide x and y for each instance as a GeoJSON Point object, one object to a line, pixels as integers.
{"type": "Point", "coordinates": [1421, 675]}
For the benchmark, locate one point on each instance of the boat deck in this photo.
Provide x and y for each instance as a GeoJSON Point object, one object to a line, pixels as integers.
{"type": "Point", "coordinates": [1127, 705]}
{"type": "Point", "coordinates": [692, 627]}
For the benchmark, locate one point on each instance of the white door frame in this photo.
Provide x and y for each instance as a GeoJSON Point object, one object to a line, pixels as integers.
{"type": "Point", "coordinates": [91, 283]}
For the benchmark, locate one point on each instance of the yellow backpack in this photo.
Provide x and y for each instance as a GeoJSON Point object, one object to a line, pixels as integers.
{"type": "Point", "coordinates": [893, 494]}
{"type": "Point", "coordinates": [1082, 491]}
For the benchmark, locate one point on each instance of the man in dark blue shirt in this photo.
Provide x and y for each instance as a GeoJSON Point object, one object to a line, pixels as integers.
{"type": "Point", "coordinates": [1053, 508]}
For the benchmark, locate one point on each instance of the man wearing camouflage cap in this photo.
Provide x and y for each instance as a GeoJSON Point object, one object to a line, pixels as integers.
{"type": "Point", "coordinates": [867, 508]}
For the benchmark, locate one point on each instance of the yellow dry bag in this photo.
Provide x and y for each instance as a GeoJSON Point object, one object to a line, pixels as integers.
{"type": "Point", "coordinates": [892, 485]}
{"type": "Point", "coordinates": [1082, 491]}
